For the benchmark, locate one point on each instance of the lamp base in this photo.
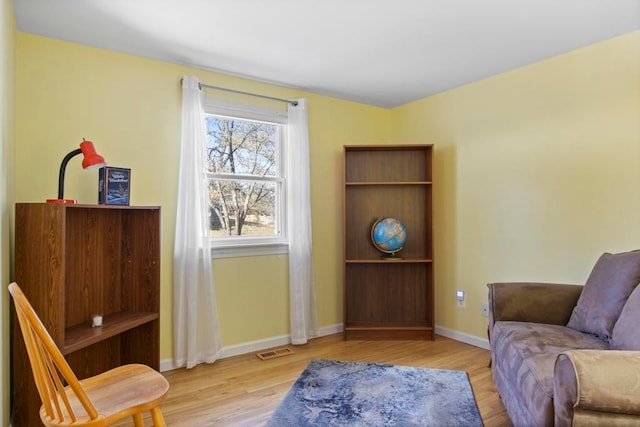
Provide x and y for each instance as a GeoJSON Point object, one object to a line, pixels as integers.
{"type": "Point", "coordinates": [63, 201]}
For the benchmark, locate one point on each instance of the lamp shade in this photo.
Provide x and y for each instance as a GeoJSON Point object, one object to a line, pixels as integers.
{"type": "Point", "coordinates": [91, 159]}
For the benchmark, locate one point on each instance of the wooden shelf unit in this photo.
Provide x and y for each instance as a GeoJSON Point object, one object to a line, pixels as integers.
{"type": "Point", "coordinates": [388, 299]}
{"type": "Point", "coordinates": [77, 261]}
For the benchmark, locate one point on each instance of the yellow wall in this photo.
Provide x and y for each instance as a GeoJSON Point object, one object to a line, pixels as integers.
{"type": "Point", "coordinates": [130, 108]}
{"type": "Point", "coordinates": [537, 172]}
{"type": "Point", "coordinates": [7, 142]}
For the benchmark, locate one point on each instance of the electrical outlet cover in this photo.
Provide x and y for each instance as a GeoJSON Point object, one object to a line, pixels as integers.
{"type": "Point", "coordinates": [485, 310]}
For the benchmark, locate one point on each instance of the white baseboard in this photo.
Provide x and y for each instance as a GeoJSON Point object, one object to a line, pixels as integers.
{"type": "Point", "coordinates": [255, 346]}
{"type": "Point", "coordinates": [462, 337]}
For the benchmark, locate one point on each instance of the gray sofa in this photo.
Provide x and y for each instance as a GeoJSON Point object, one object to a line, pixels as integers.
{"type": "Point", "coordinates": [568, 355]}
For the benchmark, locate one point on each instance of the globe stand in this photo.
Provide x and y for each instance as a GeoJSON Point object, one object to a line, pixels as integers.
{"type": "Point", "coordinates": [392, 257]}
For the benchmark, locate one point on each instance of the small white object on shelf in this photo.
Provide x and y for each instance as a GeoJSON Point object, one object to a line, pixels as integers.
{"type": "Point", "coordinates": [97, 320]}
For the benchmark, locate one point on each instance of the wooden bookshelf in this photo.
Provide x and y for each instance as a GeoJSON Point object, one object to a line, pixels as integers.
{"type": "Point", "coordinates": [388, 299]}
{"type": "Point", "coordinates": [76, 261]}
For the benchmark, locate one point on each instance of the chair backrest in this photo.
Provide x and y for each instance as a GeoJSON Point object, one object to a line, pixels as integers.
{"type": "Point", "coordinates": [50, 369]}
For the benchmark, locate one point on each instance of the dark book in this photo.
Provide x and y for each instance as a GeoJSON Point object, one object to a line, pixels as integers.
{"type": "Point", "coordinates": [114, 185]}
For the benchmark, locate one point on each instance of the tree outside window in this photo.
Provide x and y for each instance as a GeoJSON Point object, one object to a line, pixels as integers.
{"type": "Point", "coordinates": [245, 182]}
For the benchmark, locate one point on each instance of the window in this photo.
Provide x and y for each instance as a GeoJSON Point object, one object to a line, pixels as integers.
{"type": "Point", "coordinates": [245, 166]}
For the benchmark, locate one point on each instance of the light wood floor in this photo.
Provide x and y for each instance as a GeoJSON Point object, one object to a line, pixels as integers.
{"type": "Point", "coordinates": [245, 390]}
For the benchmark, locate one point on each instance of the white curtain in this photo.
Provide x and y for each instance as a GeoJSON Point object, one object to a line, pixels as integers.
{"type": "Point", "coordinates": [304, 324]}
{"type": "Point", "coordinates": [195, 320]}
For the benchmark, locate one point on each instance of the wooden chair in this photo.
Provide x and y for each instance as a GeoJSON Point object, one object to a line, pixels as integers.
{"type": "Point", "coordinates": [101, 400]}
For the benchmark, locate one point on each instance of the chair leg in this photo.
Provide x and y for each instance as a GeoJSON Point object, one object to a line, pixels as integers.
{"type": "Point", "coordinates": [158, 419]}
{"type": "Point", "coordinates": [137, 420]}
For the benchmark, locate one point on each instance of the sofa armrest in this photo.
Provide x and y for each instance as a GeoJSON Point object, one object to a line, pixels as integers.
{"type": "Point", "coordinates": [550, 303]}
{"type": "Point", "coordinates": [597, 387]}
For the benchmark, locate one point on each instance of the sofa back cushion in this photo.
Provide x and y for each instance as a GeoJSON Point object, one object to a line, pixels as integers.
{"type": "Point", "coordinates": [610, 283]}
{"type": "Point", "coordinates": [626, 333]}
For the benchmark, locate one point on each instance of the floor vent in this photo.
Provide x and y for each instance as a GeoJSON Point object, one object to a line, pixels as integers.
{"type": "Point", "coordinates": [271, 354]}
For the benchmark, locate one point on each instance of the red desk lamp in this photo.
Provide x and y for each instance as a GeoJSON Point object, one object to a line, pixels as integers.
{"type": "Point", "coordinates": [91, 160]}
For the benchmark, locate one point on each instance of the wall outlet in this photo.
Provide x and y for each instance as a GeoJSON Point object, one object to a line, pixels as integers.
{"type": "Point", "coordinates": [460, 299]}
{"type": "Point", "coordinates": [485, 310]}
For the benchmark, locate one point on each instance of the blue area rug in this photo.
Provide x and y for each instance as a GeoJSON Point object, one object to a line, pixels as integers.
{"type": "Point", "coordinates": [333, 393]}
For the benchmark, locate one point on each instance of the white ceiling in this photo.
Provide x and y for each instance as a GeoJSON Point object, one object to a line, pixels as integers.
{"type": "Point", "coordinates": [378, 52]}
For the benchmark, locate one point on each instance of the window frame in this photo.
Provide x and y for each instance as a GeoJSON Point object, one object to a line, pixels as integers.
{"type": "Point", "coordinates": [228, 247]}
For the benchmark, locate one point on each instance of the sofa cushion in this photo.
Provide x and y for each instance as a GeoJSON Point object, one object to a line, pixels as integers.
{"type": "Point", "coordinates": [523, 357]}
{"type": "Point", "coordinates": [610, 283]}
{"type": "Point", "coordinates": [626, 333]}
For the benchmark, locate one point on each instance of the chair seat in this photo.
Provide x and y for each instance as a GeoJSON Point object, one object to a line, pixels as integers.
{"type": "Point", "coordinates": [121, 392]}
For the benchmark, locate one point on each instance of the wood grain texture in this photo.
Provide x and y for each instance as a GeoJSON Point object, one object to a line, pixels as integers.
{"type": "Point", "coordinates": [245, 390]}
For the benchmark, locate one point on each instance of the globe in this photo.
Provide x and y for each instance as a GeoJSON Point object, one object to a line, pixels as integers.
{"type": "Point", "coordinates": [388, 235]}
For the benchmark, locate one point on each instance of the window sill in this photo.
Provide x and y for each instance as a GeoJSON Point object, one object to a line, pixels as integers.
{"type": "Point", "coordinates": [249, 250]}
